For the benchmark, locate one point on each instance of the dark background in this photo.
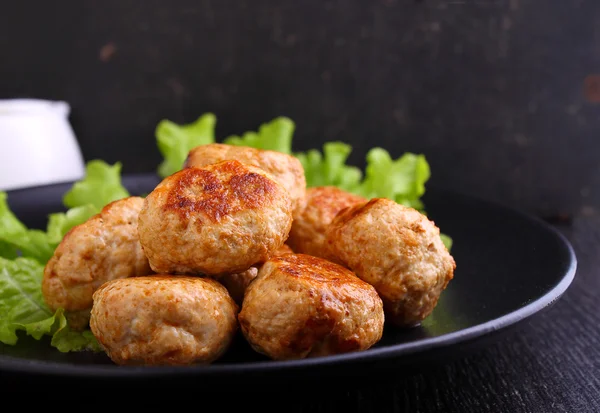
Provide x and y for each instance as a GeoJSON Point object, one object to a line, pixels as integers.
{"type": "Point", "coordinates": [491, 91]}
{"type": "Point", "coordinates": [500, 95]}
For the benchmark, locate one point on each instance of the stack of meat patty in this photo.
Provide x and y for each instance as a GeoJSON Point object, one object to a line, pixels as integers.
{"type": "Point", "coordinates": [235, 241]}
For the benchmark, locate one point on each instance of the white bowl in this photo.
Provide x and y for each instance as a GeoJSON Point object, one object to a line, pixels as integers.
{"type": "Point", "coordinates": [37, 144]}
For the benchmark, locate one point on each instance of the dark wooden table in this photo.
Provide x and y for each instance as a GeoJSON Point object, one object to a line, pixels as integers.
{"type": "Point", "coordinates": [550, 364]}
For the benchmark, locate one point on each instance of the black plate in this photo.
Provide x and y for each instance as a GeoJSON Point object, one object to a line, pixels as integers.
{"type": "Point", "coordinates": [509, 267]}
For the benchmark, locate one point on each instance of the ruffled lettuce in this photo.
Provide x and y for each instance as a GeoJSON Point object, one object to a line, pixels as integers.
{"type": "Point", "coordinates": [17, 240]}
{"type": "Point", "coordinates": [402, 180]}
{"type": "Point", "coordinates": [61, 222]}
{"type": "Point", "coordinates": [175, 141]}
{"type": "Point", "coordinates": [329, 168]}
{"type": "Point", "coordinates": [23, 309]}
{"type": "Point", "coordinates": [21, 302]}
{"type": "Point", "coordinates": [100, 186]}
{"type": "Point", "coordinates": [24, 253]}
{"type": "Point", "coordinates": [275, 135]}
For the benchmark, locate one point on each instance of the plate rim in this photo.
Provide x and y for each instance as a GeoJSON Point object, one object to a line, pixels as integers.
{"type": "Point", "coordinates": [28, 366]}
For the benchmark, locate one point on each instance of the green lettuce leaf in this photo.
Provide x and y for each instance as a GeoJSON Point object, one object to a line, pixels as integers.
{"type": "Point", "coordinates": [67, 340]}
{"type": "Point", "coordinates": [8, 250]}
{"type": "Point", "coordinates": [329, 168]}
{"type": "Point", "coordinates": [23, 308]}
{"type": "Point", "coordinates": [17, 240]}
{"type": "Point", "coordinates": [100, 186]}
{"type": "Point", "coordinates": [61, 222]}
{"type": "Point", "coordinates": [34, 244]}
{"type": "Point", "coordinates": [402, 180]}
{"type": "Point", "coordinates": [175, 141]}
{"type": "Point", "coordinates": [275, 135]}
{"type": "Point", "coordinates": [21, 300]}
{"type": "Point", "coordinates": [9, 223]}
{"type": "Point", "coordinates": [24, 252]}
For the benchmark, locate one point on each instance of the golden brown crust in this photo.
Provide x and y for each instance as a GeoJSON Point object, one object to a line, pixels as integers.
{"type": "Point", "coordinates": [237, 284]}
{"type": "Point", "coordinates": [320, 206]}
{"type": "Point", "coordinates": [399, 251]}
{"type": "Point", "coordinates": [215, 220]}
{"type": "Point", "coordinates": [286, 169]}
{"type": "Point", "coordinates": [103, 248]}
{"type": "Point", "coordinates": [285, 249]}
{"type": "Point", "coordinates": [304, 306]}
{"type": "Point", "coordinates": [226, 188]}
{"type": "Point", "coordinates": [314, 271]}
{"type": "Point", "coordinates": [163, 320]}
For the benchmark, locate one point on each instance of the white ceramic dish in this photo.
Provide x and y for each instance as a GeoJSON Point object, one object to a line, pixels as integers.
{"type": "Point", "coordinates": [37, 144]}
